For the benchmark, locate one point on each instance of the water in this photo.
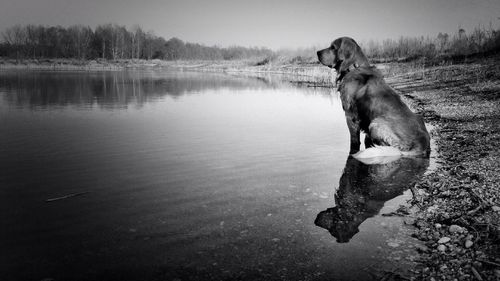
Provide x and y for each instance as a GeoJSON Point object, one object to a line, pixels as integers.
{"type": "Point", "coordinates": [188, 176]}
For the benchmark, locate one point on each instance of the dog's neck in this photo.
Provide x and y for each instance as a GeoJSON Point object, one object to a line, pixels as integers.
{"type": "Point", "coordinates": [340, 76]}
{"type": "Point", "coordinates": [339, 79]}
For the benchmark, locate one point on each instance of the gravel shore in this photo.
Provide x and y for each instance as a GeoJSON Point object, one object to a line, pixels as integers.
{"type": "Point", "coordinates": [456, 208]}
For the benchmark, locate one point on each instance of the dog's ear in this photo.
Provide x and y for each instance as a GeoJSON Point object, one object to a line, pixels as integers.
{"type": "Point", "coordinates": [345, 53]}
{"type": "Point", "coordinates": [343, 48]}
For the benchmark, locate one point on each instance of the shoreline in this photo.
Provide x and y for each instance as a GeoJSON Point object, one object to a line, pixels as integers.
{"type": "Point", "coordinates": [456, 208]}
{"type": "Point", "coordinates": [73, 64]}
{"type": "Point", "coordinates": [303, 72]}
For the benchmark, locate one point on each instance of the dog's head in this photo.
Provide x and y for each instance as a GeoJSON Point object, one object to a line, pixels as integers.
{"type": "Point", "coordinates": [330, 56]}
{"type": "Point", "coordinates": [342, 53]}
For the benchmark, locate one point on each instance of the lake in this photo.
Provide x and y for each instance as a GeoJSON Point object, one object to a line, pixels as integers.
{"type": "Point", "coordinates": [157, 175]}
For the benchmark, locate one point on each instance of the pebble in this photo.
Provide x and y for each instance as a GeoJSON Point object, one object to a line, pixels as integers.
{"type": "Point", "coordinates": [409, 221]}
{"type": "Point", "coordinates": [455, 228]}
{"type": "Point", "coordinates": [393, 244]}
{"type": "Point", "coordinates": [437, 225]}
{"type": "Point", "coordinates": [422, 248]}
{"type": "Point", "coordinates": [444, 240]}
{"type": "Point", "coordinates": [442, 248]}
{"type": "Point", "coordinates": [468, 244]}
{"type": "Point", "coordinates": [432, 208]}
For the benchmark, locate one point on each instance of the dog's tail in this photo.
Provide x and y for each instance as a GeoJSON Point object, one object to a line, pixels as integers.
{"type": "Point", "coordinates": [378, 151]}
{"type": "Point", "coordinates": [383, 154]}
{"type": "Point", "coordinates": [378, 155]}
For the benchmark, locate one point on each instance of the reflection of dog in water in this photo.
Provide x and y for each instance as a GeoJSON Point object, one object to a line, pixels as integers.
{"type": "Point", "coordinates": [363, 190]}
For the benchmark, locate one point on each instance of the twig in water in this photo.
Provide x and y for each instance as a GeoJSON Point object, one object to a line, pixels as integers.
{"type": "Point", "coordinates": [66, 196]}
{"type": "Point", "coordinates": [474, 210]}
{"type": "Point", "coordinates": [488, 262]}
{"type": "Point", "coordinates": [415, 200]}
{"type": "Point", "coordinates": [476, 274]}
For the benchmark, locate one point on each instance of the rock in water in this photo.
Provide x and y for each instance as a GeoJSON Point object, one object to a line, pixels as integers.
{"type": "Point", "coordinates": [442, 248]}
{"type": "Point", "coordinates": [455, 228]}
{"type": "Point", "coordinates": [468, 244]}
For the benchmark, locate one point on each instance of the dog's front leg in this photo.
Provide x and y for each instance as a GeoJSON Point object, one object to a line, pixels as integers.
{"type": "Point", "coordinates": [354, 131]}
{"type": "Point", "coordinates": [368, 141]}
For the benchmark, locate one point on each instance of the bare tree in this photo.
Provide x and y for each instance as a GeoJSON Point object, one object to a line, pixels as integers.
{"type": "Point", "coordinates": [16, 37]}
{"type": "Point", "coordinates": [137, 41]}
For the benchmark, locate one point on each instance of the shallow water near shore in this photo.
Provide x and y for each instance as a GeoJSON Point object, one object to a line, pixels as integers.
{"type": "Point", "coordinates": [148, 175]}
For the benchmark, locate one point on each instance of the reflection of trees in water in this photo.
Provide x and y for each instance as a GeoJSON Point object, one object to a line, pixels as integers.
{"type": "Point", "coordinates": [363, 190]}
{"type": "Point", "coordinates": [110, 89]}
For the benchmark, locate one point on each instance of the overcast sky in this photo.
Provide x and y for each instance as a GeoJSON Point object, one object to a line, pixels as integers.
{"type": "Point", "coordinates": [268, 23]}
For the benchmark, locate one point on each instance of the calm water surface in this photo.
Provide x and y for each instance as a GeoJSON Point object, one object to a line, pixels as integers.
{"type": "Point", "coordinates": [188, 176]}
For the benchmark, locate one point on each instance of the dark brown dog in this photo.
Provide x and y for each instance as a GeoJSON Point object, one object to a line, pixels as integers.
{"type": "Point", "coordinates": [373, 107]}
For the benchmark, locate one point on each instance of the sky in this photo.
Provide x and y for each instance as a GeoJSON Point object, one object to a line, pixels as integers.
{"type": "Point", "coordinates": [262, 23]}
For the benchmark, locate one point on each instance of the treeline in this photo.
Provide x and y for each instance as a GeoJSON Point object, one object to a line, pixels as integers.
{"type": "Point", "coordinates": [480, 40]}
{"type": "Point", "coordinates": [109, 41]}
{"type": "Point", "coordinates": [112, 41]}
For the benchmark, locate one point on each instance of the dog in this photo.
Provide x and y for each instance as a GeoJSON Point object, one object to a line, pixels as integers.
{"type": "Point", "coordinates": [373, 107]}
